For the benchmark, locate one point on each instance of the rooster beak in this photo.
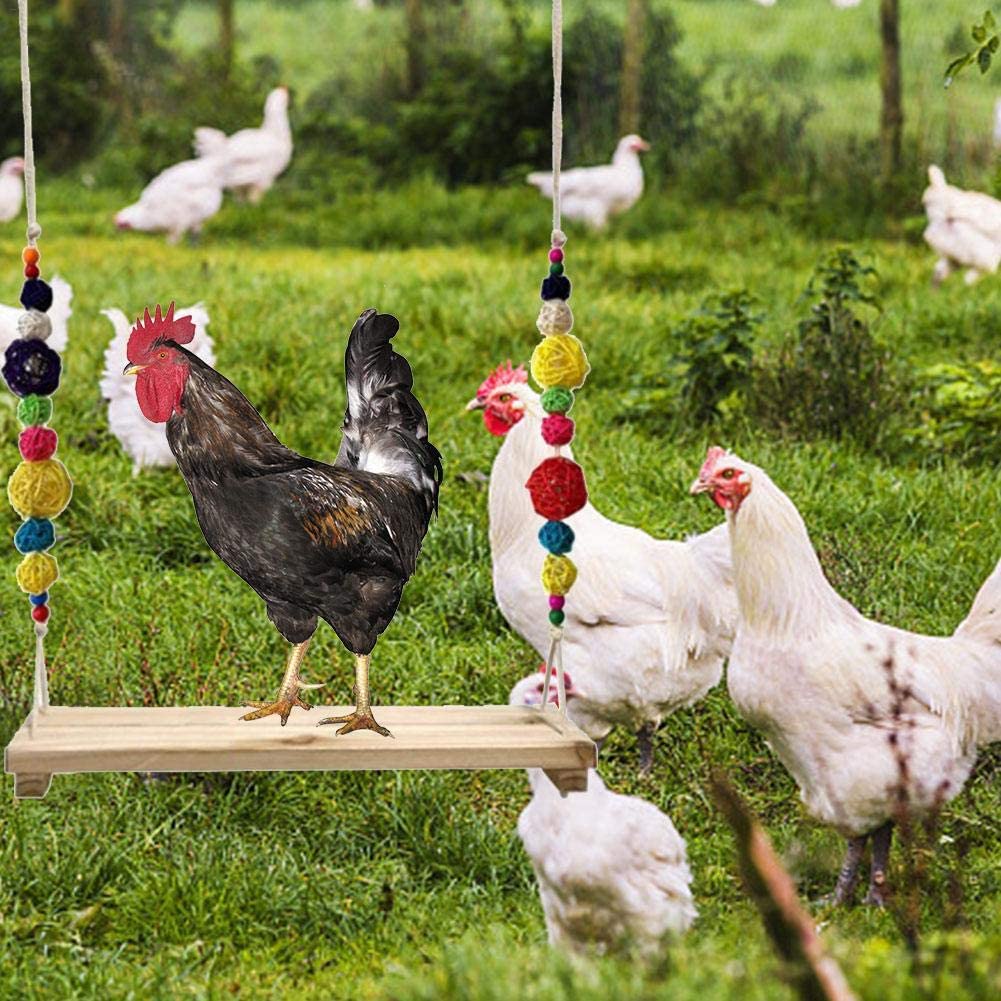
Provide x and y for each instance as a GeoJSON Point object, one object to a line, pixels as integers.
{"type": "Point", "coordinates": [131, 369]}
{"type": "Point", "coordinates": [476, 404]}
{"type": "Point", "coordinates": [700, 486]}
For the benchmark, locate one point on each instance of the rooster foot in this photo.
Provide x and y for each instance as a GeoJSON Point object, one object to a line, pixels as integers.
{"type": "Point", "coordinates": [282, 706]}
{"type": "Point", "coordinates": [358, 720]}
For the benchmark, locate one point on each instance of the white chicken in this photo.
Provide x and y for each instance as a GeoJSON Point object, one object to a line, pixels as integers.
{"type": "Point", "coordinates": [11, 188]}
{"type": "Point", "coordinates": [649, 621]}
{"type": "Point", "coordinates": [863, 715]}
{"type": "Point", "coordinates": [253, 158]}
{"type": "Point", "coordinates": [964, 228]}
{"type": "Point", "coordinates": [592, 194]}
{"type": "Point", "coordinates": [180, 200]}
{"type": "Point", "coordinates": [612, 870]}
{"type": "Point", "coordinates": [58, 313]}
{"type": "Point", "coordinates": [141, 439]}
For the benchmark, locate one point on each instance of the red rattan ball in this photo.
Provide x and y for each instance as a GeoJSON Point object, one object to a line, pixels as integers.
{"type": "Point", "coordinates": [557, 429]}
{"type": "Point", "coordinates": [557, 488]}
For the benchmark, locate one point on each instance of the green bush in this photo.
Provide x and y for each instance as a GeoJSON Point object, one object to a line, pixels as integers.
{"type": "Point", "coordinates": [961, 411]}
{"type": "Point", "coordinates": [830, 377]}
{"type": "Point", "coordinates": [718, 353]}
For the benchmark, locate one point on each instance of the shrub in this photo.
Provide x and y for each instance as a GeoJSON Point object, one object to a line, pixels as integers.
{"type": "Point", "coordinates": [831, 375]}
{"type": "Point", "coordinates": [961, 412]}
{"type": "Point", "coordinates": [718, 352]}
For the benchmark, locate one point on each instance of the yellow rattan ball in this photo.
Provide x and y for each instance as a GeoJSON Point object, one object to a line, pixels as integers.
{"type": "Point", "coordinates": [39, 489]}
{"type": "Point", "coordinates": [559, 360]}
{"type": "Point", "coordinates": [558, 574]}
{"type": "Point", "coordinates": [36, 573]}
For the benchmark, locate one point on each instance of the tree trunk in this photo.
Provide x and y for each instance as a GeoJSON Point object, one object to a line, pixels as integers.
{"type": "Point", "coordinates": [631, 85]}
{"type": "Point", "coordinates": [891, 122]}
{"type": "Point", "coordinates": [227, 34]}
{"type": "Point", "coordinates": [415, 42]}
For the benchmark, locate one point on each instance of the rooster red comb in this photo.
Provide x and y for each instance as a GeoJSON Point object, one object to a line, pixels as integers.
{"type": "Point", "coordinates": [502, 375]}
{"type": "Point", "coordinates": [149, 331]}
{"type": "Point", "coordinates": [713, 455]}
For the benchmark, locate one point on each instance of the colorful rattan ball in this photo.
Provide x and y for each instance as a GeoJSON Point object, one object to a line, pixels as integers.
{"type": "Point", "coordinates": [559, 360]}
{"type": "Point", "coordinates": [34, 410]}
{"type": "Point", "coordinates": [556, 269]}
{"type": "Point", "coordinates": [34, 536]}
{"type": "Point", "coordinates": [558, 574]}
{"type": "Point", "coordinates": [37, 443]}
{"type": "Point", "coordinates": [557, 537]}
{"type": "Point", "coordinates": [31, 323]}
{"type": "Point", "coordinates": [557, 400]}
{"type": "Point", "coordinates": [39, 599]}
{"type": "Point", "coordinates": [556, 616]}
{"type": "Point", "coordinates": [555, 317]}
{"type": "Point", "coordinates": [37, 573]}
{"type": "Point", "coordinates": [30, 255]}
{"type": "Point", "coordinates": [555, 287]}
{"type": "Point", "coordinates": [557, 429]}
{"type": "Point", "coordinates": [40, 613]}
{"type": "Point", "coordinates": [31, 366]}
{"type": "Point", "coordinates": [39, 489]}
{"type": "Point", "coordinates": [557, 488]}
{"type": "Point", "coordinates": [36, 294]}
{"type": "Point", "coordinates": [556, 601]}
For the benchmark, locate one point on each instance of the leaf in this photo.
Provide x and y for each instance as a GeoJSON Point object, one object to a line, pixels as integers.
{"type": "Point", "coordinates": [989, 23]}
{"type": "Point", "coordinates": [979, 33]}
{"type": "Point", "coordinates": [984, 59]}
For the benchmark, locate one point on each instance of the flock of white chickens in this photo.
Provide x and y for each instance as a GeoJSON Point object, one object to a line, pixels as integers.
{"type": "Point", "coordinates": [861, 714]}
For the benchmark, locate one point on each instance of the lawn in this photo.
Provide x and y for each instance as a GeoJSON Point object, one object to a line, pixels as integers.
{"type": "Point", "coordinates": [414, 885]}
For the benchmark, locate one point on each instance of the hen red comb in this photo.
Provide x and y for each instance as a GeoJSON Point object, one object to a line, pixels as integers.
{"type": "Point", "coordinates": [713, 455]}
{"type": "Point", "coordinates": [502, 375]}
{"type": "Point", "coordinates": [152, 330]}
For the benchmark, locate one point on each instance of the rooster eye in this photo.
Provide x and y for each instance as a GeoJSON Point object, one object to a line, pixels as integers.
{"type": "Point", "coordinates": [161, 355]}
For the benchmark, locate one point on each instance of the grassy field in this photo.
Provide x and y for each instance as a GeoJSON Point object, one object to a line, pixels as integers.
{"type": "Point", "coordinates": [811, 48]}
{"type": "Point", "coordinates": [414, 886]}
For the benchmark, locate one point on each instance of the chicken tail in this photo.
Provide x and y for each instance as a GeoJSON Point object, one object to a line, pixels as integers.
{"type": "Point", "coordinates": [385, 427]}
{"type": "Point", "coordinates": [209, 142]}
{"type": "Point", "coordinates": [984, 625]}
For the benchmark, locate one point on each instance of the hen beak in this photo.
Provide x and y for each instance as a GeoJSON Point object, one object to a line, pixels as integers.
{"type": "Point", "coordinates": [700, 486]}
{"type": "Point", "coordinates": [131, 369]}
{"type": "Point", "coordinates": [642, 146]}
{"type": "Point", "coordinates": [476, 404]}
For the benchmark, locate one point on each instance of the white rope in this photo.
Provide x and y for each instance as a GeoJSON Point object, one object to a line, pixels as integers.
{"type": "Point", "coordinates": [34, 230]}
{"type": "Point", "coordinates": [40, 696]}
{"type": "Point", "coordinates": [558, 236]}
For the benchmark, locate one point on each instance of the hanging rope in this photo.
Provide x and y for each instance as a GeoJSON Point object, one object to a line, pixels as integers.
{"type": "Point", "coordinates": [40, 487]}
{"type": "Point", "coordinates": [559, 366]}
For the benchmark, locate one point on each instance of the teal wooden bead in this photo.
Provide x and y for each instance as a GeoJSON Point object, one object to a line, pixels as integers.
{"type": "Point", "coordinates": [556, 617]}
{"type": "Point", "coordinates": [556, 269]}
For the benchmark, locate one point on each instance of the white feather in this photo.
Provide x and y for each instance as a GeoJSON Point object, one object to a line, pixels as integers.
{"type": "Point", "coordinates": [59, 313]}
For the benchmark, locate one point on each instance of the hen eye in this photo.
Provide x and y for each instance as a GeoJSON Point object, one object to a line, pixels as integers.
{"type": "Point", "coordinates": [727, 474]}
{"type": "Point", "coordinates": [504, 397]}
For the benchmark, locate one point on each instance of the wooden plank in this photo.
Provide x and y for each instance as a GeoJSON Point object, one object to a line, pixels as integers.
{"type": "Point", "coordinates": [213, 738]}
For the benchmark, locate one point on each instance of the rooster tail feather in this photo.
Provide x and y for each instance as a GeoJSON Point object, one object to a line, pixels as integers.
{"type": "Point", "coordinates": [385, 427]}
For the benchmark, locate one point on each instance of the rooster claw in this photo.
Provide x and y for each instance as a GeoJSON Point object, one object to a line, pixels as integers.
{"type": "Point", "coordinates": [357, 721]}
{"type": "Point", "coordinates": [280, 707]}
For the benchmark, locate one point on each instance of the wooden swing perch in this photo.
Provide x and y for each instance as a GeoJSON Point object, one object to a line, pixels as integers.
{"type": "Point", "coordinates": [64, 739]}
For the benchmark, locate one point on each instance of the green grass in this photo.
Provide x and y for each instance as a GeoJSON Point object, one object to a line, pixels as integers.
{"type": "Point", "coordinates": [808, 46]}
{"type": "Point", "coordinates": [412, 886]}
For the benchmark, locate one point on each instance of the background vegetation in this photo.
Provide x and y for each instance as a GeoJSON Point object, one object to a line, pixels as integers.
{"type": "Point", "coordinates": [414, 886]}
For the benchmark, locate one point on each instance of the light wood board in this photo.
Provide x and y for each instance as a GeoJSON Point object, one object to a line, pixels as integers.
{"type": "Point", "coordinates": [214, 739]}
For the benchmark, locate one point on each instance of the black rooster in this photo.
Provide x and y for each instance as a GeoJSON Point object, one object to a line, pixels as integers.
{"type": "Point", "coordinates": [313, 540]}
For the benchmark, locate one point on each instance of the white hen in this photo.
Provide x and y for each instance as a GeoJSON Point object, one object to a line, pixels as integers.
{"type": "Point", "coordinates": [58, 313]}
{"type": "Point", "coordinates": [649, 621]}
{"type": "Point", "coordinates": [845, 702]}
{"type": "Point", "coordinates": [964, 228]}
{"type": "Point", "coordinates": [612, 870]}
{"type": "Point", "coordinates": [11, 188]}
{"type": "Point", "coordinates": [180, 200]}
{"type": "Point", "coordinates": [592, 194]}
{"type": "Point", "coordinates": [141, 439]}
{"type": "Point", "coordinates": [253, 158]}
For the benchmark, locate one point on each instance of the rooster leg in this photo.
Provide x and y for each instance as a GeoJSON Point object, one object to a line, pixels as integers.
{"type": "Point", "coordinates": [848, 877]}
{"type": "Point", "coordinates": [644, 738]}
{"type": "Point", "coordinates": [361, 718]}
{"type": "Point", "coordinates": [881, 837]}
{"type": "Point", "coordinates": [288, 693]}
